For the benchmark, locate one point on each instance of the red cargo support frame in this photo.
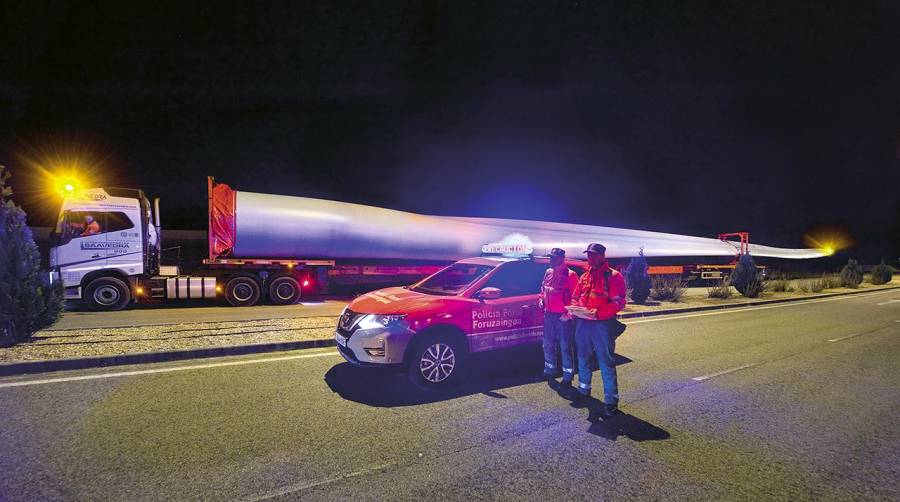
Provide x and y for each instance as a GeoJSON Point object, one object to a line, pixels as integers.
{"type": "Point", "coordinates": [222, 219]}
{"type": "Point", "coordinates": [745, 241]}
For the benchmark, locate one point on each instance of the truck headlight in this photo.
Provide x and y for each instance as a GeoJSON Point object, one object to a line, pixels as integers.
{"type": "Point", "coordinates": [376, 321]}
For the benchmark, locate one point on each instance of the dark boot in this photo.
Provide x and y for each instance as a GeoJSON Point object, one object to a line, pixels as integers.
{"type": "Point", "coordinates": [608, 411]}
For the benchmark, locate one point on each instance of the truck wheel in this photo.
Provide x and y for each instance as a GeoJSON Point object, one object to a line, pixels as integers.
{"type": "Point", "coordinates": [436, 362]}
{"type": "Point", "coordinates": [106, 294]}
{"type": "Point", "coordinates": [242, 291]}
{"type": "Point", "coordinates": [284, 290]}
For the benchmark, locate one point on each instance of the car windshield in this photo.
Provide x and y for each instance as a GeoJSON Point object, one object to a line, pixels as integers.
{"type": "Point", "coordinates": [453, 279]}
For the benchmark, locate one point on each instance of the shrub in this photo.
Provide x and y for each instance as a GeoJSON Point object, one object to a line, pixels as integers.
{"type": "Point", "coordinates": [755, 286]}
{"type": "Point", "coordinates": [882, 274]}
{"type": "Point", "coordinates": [780, 285]}
{"type": "Point", "coordinates": [721, 290]}
{"type": "Point", "coordinates": [746, 278]}
{"type": "Point", "coordinates": [811, 285]}
{"type": "Point", "coordinates": [831, 281]}
{"type": "Point", "coordinates": [852, 274]}
{"type": "Point", "coordinates": [637, 279]}
{"type": "Point", "coordinates": [27, 301]}
{"type": "Point", "coordinates": [667, 288]}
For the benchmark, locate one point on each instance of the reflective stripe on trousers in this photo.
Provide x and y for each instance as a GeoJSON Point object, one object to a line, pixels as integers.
{"type": "Point", "coordinates": [559, 336]}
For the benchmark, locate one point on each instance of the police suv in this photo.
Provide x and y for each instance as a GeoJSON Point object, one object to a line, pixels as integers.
{"type": "Point", "coordinates": [430, 328]}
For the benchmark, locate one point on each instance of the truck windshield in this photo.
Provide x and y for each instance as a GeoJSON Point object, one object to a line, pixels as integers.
{"type": "Point", "coordinates": [453, 279]}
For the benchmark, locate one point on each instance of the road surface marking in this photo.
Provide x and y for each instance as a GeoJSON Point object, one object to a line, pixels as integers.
{"type": "Point", "coordinates": [669, 317]}
{"type": "Point", "coordinates": [163, 370]}
{"type": "Point", "coordinates": [845, 337]}
{"type": "Point", "coordinates": [889, 301]}
{"type": "Point", "coordinates": [725, 372]}
{"type": "Point", "coordinates": [287, 490]}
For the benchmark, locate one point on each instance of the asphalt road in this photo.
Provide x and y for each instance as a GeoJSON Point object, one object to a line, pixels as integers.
{"type": "Point", "coordinates": [792, 401]}
{"type": "Point", "coordinates": [177, 313]}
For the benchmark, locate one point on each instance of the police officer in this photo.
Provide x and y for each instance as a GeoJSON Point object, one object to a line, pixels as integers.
{"type": "Point", "coordinates": [557, 289]}
{"type": "Point", "coordinates": [600, 289]}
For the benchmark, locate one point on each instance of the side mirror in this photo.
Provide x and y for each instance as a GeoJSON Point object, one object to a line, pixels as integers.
{"type": "Point", "coordinates": [489, 293]}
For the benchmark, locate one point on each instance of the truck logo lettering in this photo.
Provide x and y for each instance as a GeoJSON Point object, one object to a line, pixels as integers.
{"type": "Point", "coordinates": [104, 245]}
{"type": "Point", "coordinates": [93, 196]}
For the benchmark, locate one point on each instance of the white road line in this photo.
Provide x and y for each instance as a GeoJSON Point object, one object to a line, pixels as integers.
{"type": "Point", "coordinates": [749, 309]}
{"type": "Point", "coordinates": [887, 302]}
{"type": "Point", "coordinates": [162, 370]}
{"type": "Point", "coordinates": [845, 337]}
{"type": "Point", "coordinates": [725, 372]}
{"type": "Point", "coordinates": [287, 490]}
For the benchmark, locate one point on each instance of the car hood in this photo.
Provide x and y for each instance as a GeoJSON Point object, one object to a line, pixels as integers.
{"type": "Point", "coordinates": [398, 301]}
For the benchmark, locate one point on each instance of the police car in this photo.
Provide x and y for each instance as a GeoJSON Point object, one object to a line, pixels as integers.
{"type": "Point", "coordinates": [430, 328]}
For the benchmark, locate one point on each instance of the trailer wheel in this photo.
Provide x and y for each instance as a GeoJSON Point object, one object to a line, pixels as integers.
{"type": "Point", "coordinates": [284, 290]}
{"type": "Point", "coordinates": [242, 291]}
{"type": "Point", "coordinates": [106, 294]}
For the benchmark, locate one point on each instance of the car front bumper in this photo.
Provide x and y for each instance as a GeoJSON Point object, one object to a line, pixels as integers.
{"type": "Point", "coordinates": [375, 347]}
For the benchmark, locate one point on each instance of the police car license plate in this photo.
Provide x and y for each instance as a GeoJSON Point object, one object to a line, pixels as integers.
{"type": "Point", "coordinates": [340, 339]}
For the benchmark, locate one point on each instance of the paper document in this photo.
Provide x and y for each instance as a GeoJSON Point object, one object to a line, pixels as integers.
{"type": "Point", "coordinates": [581, 312]}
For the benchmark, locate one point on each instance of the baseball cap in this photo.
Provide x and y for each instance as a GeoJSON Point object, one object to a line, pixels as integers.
{"type": "Point", "coordinates": [595, 248]}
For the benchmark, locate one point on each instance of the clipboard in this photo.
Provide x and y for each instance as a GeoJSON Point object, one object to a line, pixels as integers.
{"type": "Point", "coordinates": [580, 312]}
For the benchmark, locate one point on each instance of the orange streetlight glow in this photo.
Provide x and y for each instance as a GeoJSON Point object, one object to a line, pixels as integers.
{"type": "Point", "coordinates": [829, 240]}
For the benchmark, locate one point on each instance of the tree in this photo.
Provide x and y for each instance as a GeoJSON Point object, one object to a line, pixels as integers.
{"type": "Point", "coordinates": [851, 274]}
{"type": "Point", "coordinates": [637, 279]}
{"type": "Point", "coordinates": [28, 301]}
{"type": "Point", "coordinates": [882, 274]}
{"type": "Point", "coordinates": [746, 278]}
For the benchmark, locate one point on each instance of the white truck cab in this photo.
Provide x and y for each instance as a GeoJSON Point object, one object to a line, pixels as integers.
{"type": "Point", "coordinates": [104, 238]}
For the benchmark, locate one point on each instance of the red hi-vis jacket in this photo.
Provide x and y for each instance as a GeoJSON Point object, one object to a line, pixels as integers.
{"type": "Point", "coordinates": [592, 291]}
{"type": "Point", "coordinates": [557, 289]}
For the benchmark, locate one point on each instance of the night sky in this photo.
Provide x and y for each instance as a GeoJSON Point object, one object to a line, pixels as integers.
{"type": "Point", "coordinates": [771, 117]}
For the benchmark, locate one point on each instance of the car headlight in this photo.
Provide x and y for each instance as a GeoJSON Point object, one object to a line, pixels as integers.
{"type": "Point", "coordinates": [376, 321]}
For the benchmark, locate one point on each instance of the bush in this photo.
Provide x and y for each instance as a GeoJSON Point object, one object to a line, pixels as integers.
{"type": "Point", "coordinates": [721, 290]}
{"type": "Point", "coordinates": [831, 281]}
{"type": "Point", "coordinates": [637, 279]}
{"type": "Point", "coordinates": [780, 285]}
{"type": "Point", "coordinates": [811, 285]}
{"type": "Point", "coordinates": [746, 278]}
{"type": "Point", "coordinates": [27, 301]}
{"type": "Point", "coordinates": [882, 274]}
{"type": "Point", "coordinates": [755, 287]}
{"type": "Point", "coordinates": [667, 288]}
{"type": "Point", "coordinates": [852, 274]}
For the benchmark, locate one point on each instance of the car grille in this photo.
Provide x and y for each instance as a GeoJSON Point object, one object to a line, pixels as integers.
{"type": "Point", "coordinates": [347, 322]}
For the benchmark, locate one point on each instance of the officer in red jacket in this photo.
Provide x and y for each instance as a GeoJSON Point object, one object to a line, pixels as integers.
{"type": "Point", "coordinates": [600, 289]}
{"type": "Point", "coordinates": [557, 288]}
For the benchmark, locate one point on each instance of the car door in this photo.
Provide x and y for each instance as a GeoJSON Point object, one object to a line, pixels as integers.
{"type": "Point", "coordinates": [514, 317]}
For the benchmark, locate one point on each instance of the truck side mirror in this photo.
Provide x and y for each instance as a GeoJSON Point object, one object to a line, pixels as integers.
{"type": "Point", "coordinates": [489, 293]}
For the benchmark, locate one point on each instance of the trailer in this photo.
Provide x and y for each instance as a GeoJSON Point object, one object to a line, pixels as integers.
{"type": "Point", "coordinates": [107, 247]}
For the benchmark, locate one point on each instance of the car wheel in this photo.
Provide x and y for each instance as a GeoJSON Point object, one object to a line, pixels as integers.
{"type": "Point", "coordinates": [436, 362]}
{"type": "Point", "coordinates": [107, 294]}
{"type": "Point", "coordinates": [284, 290]}
{"type": "Point", "coordinates": [242, 291]}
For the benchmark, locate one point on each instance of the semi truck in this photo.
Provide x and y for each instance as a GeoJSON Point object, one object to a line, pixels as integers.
{"type": "Point", "coordinates": [107, 247]}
